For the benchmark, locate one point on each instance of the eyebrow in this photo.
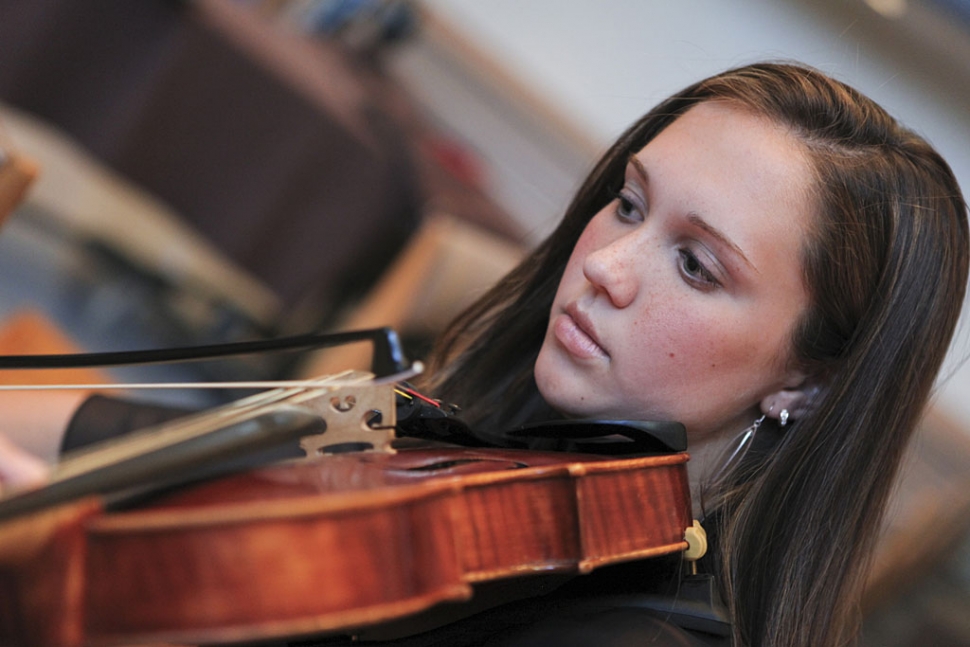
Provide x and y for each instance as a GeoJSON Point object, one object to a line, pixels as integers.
{"type": "Point", "coordinates": [693, 217]}
{"type": "Point", "coordinates": [638, 166]}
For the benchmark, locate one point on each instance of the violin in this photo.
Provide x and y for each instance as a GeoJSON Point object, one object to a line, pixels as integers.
{"type": "Point", "coordinates": [132, 544]}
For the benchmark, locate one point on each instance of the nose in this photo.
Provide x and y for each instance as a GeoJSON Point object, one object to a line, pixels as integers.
{"type": "Point", "coordinates": [611, 270]}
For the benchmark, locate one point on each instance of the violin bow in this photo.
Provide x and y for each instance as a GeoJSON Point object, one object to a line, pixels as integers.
{"type": "Point", "coordinates": [388, 355]}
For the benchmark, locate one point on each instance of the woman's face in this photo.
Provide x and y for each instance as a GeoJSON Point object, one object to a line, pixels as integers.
{"type": "Point", "coordinates": [680, 297]}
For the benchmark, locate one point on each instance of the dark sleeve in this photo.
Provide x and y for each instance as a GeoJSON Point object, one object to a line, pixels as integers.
{"type": "Point", "coordinates": [101, 417]}
{"type": "Point", "coordinates": [612, 627]}
{"type": "Point", "coordinates": [539, 623]}
{"type": "Point", "coordinates": [615, 606]}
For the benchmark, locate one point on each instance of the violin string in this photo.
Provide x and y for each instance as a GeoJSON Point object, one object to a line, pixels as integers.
{"type": "Point", "coordinates": [163, 385]}
{"type": "Point", "coordinates": [153, 438]}
{"type": "Point", "coordinates": [415, 395]}
{"type": "Point", "coordinates": [157, 437]}
{"type": "Point", "coordinates": [204, 422]}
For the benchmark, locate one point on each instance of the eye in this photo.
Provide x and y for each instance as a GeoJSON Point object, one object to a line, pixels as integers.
{"type": "Point", "coordinates": [695, 271]}
{"type": "Point", "coordinates": [627, 208]}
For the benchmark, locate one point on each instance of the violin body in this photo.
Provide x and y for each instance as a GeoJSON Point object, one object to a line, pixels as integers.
{"type": "Point", "coordinates": [330, 544]}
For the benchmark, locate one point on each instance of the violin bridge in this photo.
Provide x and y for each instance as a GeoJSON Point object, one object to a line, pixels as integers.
{"type": "Point", "coordinates": [359, 417]}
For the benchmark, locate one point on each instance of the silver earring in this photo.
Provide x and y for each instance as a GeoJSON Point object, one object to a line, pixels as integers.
{"type": "Point", "coordinates": [783, 417]}
{"type": "Point", "coordinates": [741, 445]}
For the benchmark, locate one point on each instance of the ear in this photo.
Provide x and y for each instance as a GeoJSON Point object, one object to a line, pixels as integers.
{"type": "Point", "coordinates": [797, 401]}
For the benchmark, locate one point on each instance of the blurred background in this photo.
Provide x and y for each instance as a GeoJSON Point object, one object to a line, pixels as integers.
{"type": "Point", "coordinates": [219, 170]}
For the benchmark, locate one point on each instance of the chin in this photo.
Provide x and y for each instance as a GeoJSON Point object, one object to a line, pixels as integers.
{"type": "Point", "coordinates": [566, 402]}
{"type": "Point", "coordinates": [551, 377]}
{"type": "Point", "coordinates": [567, 389]}
{"type": "Point", "coordinates": [551, 391]}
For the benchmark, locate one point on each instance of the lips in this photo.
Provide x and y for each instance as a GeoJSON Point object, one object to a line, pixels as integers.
{"type": "Point", "coordinates": [575, 331]}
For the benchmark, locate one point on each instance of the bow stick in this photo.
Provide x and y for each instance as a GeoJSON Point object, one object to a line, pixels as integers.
{"type": "Point", "coordinates": [388, 358]}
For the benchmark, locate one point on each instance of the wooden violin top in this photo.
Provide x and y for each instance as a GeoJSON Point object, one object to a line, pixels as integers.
{"type": "Point", "coordinates": [328, 545]}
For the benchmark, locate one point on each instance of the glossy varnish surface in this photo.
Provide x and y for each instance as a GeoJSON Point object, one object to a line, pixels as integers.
{"type": "Point", "coordinates": [354, 540]}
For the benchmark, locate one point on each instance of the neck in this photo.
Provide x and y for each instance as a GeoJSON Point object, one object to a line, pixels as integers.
{"type": "Point", "coordinates": [709, 455]}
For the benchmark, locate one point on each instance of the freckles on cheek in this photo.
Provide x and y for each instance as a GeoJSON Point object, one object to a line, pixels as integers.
{"type": "Point", "coordinates": [695, 350]}
{"type": "Point", "coordinates": [663, 346]}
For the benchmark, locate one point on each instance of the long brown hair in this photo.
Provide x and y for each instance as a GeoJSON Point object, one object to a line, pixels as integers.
{"type": "Point", "coordinates": [885, 265]}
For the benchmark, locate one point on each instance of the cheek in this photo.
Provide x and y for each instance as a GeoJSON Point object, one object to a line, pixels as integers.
{"type": "Point", "coordinates": [682, 348]}
{"type": "Point", "coordinates": [722, 342]}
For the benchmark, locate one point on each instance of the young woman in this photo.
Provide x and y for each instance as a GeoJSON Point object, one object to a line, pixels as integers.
{"type": "Point", "coordinates": [767, 246]}
{"type": "Point", "coordinates": [770, 259]}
